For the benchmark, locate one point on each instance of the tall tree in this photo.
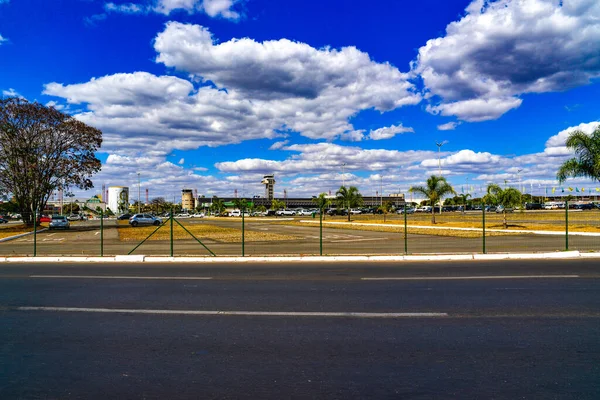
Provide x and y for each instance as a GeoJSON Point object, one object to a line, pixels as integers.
{"type": "Point", "coordinates": [42, 149]}
{"type": "Point", "coordinates": [435, 189]}
{"type": "Point", "coordinates": [158, 203]}
{"type": "Point", "coordinates": [586, 162]}
{"type": "Point", "coordinates": [348, 198]}
{"type": "Point", "coordinates": [509, 197]}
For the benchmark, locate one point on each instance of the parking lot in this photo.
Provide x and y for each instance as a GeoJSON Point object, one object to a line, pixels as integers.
{"type": "Point", "coordinates": [84, 238]}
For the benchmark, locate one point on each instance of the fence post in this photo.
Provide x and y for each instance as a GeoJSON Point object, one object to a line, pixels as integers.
{"type": "Point", "coordinates": [35, 233]}
{"type": "Point", "coordinates": [321, 231]}
{"type": "Point", "coordinates": [567, 225]}
{"type": "Point", "coordinates": [171, 232]}
{"type": "Point", "coordinates": [405, 231]}
{"type": "Point", "coordinates": [243, 233]}
{"type": "Point", "coordinates": [101, 233]}
{"type": "Point", "coordinates": [483, 208]}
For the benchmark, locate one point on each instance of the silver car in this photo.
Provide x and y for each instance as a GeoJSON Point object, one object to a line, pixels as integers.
{"type": "Point", "coordinates": [144, 219]}
{"type": "Point", "coordinates": [59, 222]}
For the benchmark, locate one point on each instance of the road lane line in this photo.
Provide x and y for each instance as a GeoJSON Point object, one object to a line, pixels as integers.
{"type": "Point", "coordinates": [237, 313]}
{"type": "Point", "coordinates": [455, 278]}
{"type": "Point", "coordinates": [191, 278]}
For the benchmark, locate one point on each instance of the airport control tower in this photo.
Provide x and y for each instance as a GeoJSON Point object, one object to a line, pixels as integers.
{"type": "Point", "coordinates": [269, 182]}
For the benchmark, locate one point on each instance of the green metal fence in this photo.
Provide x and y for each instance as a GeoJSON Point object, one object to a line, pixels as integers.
{"type": "Point", "coordinates": [471, 232]}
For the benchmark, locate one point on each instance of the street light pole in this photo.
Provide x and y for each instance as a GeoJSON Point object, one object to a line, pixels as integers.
{"type": "Point", "coordinates": [343, 174]}
{"type": "Point", "coordinates": [139, 187]}
{"type": "Point", "coordinates": [381, 189]}
{"type": "Point", "coordinates": [439, 145]}
{"type": "Point", "coordinates": [519, 176]}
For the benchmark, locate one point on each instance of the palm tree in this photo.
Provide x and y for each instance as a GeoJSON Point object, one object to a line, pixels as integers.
{"type": "Point", "coordinates": [349, 198]}
{"type": "Point", "coordinates": [436, 188]}
{"type": "Point", "coordinates": [277, 204]}
{"type": "Point", "coordinates": [322, 203]}
{"type": "Point", "coordinates": [386, 207]}
{"type": "Point", "coordinates": [240, 204]}
{"type": "Point", "coordinates": [509, 197]}
{"type": "Point", "coordinates": [464, 200]}
{"type": "Point", "coordinates": [586, 162]}
{"type": "Point", "coordinates": [217, 206]}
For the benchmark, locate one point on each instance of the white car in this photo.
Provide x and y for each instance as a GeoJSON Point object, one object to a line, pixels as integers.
{"type": "Point", "coordinates": [424, 209]}
{"type": "Point", "coordinates": [305, 212]}
{"type": "Point", "coordinates": [183, 215]}
{"type": "Point", "coordinates": [287, 213]}
{"type": "Point", "coordinates": [355, 211]}
{"type": "Point", "coordinates": [197, 215]}
{"type": "Point", "coordinates": [235, 213]}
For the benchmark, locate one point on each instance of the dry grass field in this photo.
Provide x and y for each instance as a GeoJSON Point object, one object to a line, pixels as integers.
{"type": "Point", "coordinates": [203, 231]}
{"type": "Point", "coordinates": [579, 221]}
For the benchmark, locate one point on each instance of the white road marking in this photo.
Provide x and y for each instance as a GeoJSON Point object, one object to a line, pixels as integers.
{"type": "Point", "coordinates": [237, 313]}
{"type": "Point", "coordinates": [172, 278]}
{"type": "Point", "coordinates": [356, 240]}
{"type": "Point", "coordinates": [454, 278]}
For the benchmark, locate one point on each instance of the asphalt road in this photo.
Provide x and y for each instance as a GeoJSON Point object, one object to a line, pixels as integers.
{"type": "Point", "coordinates": [524, 329]}
{"type": "Point", "coordinates": [84, 239]}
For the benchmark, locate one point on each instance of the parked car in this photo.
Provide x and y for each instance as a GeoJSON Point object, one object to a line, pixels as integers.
{"type": "Point", "coordinates": [305, 212]}
{"type": "Point", "coordinates": [235, 213]}
{"type": "Point", "coordinates": [501, 209]}
{"type": "Point", "coordinates": [490, 209]}
{"type": "Point", "coordinates": [409, 210]}
{"type": "Point", "coordinates": [533, 206]}
{"type": "Point", "coordinates": [144, 219]}
{"type": "Point", "coordinates": [287, 213]}
{"type": "Point", "coordinates": [75, 217]}
{"type": "Point", "coordinates": [3, 221]}
{"type": "Point", "coordinates": [124, 216]}
{"type": "Point", "coordinates": [44, 218]}
{"type": "Point", "coordinates": [355, 211]}
{"type": "Point", "coordinates": [183, 215]}
{"type": "Point", "coordinates": [584, 206]}
{"type": "Point", "coordinates": [59, 222]}
{"type": "Point", "coordinates": [424, 209]}
{"type": "Point", "coordinates": [197, 215]}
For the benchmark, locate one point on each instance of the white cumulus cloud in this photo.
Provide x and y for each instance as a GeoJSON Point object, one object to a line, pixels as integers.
{"type": "Point", "coordinates": [449, 126]}
{"type": "Point", "coordinates": [504, 48]}
{"type": "Point", "coordinates": [212, 8]}
{"type": "Point", "coordinates": [389, 132]}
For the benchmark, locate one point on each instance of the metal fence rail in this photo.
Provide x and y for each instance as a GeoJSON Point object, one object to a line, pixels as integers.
{"type": "Point", "coordinates": [469, 232]}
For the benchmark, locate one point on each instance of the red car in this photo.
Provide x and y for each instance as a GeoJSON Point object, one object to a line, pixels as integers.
{"type": "Point", "coordinates": [44, 218]}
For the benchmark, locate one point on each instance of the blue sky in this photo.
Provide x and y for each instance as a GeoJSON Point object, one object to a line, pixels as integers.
{"type": "Point", "coordinates": [213, 94]}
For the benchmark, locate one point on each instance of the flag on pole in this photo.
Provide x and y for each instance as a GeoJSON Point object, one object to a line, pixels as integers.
{"type": "Point", "coordinates": [546, 191]}
{"type": "Point", "coordinates": [553, 190]}
{"type": "Point", "coordinates": [570, 189]}
{"type": "Point", "coordinates": [583, 189]}
{"type": "Point", "coordinates": [462, 189]}
{"type": "Point", "coordinates": [577, 189]}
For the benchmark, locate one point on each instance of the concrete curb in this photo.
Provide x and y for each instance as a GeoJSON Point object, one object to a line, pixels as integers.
{"type": "Point", "coordinates": [310, 259]}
